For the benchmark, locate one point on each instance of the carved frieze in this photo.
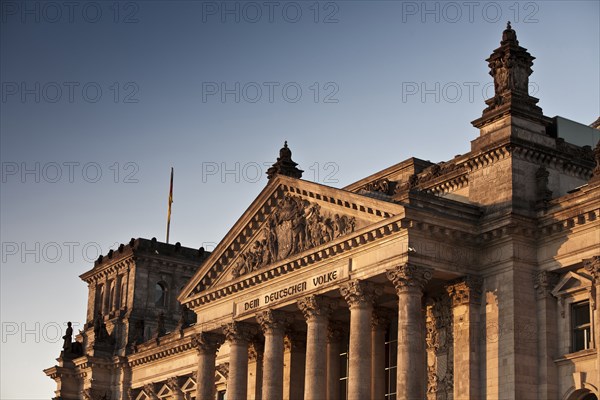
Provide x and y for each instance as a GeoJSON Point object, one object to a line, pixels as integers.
{"type": "Point", "coordinates": [295, 225]}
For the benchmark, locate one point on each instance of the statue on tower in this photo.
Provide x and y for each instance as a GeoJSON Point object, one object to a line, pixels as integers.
{"type": "Point", "coordinates": [510, 66]}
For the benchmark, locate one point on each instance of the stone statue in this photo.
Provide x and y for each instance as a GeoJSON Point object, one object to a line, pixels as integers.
{"type": "Point", "coordinates": [67, 338]}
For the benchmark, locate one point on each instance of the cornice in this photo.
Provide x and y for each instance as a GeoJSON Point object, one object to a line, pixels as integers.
{"type": "Point", "coordinates": [158, 352]}
{"type": "Point", "coordinates": [96, 275]}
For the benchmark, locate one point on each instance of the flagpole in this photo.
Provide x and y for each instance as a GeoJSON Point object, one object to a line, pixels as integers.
{"type": "Point", "coordinates": [170, 202]}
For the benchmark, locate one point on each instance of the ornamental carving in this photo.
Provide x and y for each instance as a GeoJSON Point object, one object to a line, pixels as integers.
{"type": "Point", "coordinates": [315, 306]}
{"type": "Point", "coordinates": [384, 186]}
{"type": "Point", "coordinates": [149, 391]}
{"type": "Point", "coordinates": [429, 174]}
{"type": "Point", "coordinates": [295, 226]}
{"type": "Point", "coordinates": [596, 172]}
{"type": "Point", "coordinates": [544, 282]}
{"type": "Point", "coordinates": [360, 293]}
{"type": "Point", "coordinates": [409, 277]}
{"type": "Point", "coordinates": [440, 348]}
{"type": "Point", "coordinates": [466, 291]}
{"type": "Point", "coordinates": [207, 342]}
{"type": "Point", "coordinates": [173, 385]}
{"type": "Point", "coordinates": [592, 266]}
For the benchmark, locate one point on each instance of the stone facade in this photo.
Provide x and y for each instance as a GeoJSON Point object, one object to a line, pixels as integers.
{"type": "Point", "coordinates": [475, 278]}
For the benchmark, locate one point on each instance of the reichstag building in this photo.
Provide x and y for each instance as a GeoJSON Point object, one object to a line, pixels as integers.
{"type": "Point", "coordinates": [474, 278]}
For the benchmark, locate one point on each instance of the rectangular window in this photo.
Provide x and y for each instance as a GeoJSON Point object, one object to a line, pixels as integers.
{"type": "Point", "coordinates": [580, 319]}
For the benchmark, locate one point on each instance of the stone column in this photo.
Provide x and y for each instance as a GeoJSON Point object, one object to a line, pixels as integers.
{"type": "Point", "coordinates": [379, 324]}
{"type": "Point", "coordinates": [207, 344]}
{"type": "Point", "coordinates": [409, 281]}
{"type": "Point", "coordinates": [592, 266]}
{"type": "Point", "coordinates": [255, 370]}
{"type": "Point", "coordinates": [272, 324]}
{"type": "Point", "coordinates": [360, 296]}
{"type": "Point", "coordinates": [316, 310]}
{"type": "Point", "coordinates": [294, 360]}
{"type": "Point", "coordinates": [237, 334]}
{"type": "Point", "coordinates": [466, 300]}
{"type": "Point", "coordinates": [335, 334]}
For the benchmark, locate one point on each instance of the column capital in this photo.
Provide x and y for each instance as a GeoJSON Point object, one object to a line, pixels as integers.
{"type": "Point", "coordinates": [207, 342]}
{"type": "Point", "coordinates": [359, 293]}
{"type": "Point", "coordinates": [544, 282]}
{"type": "Point", "coordinates": [466, 290]}
{"type": "Point", "coordinates": [592, 266]}
{"type": "Point", "coordinates": [238, 332]}
{"type": "Point", "coordinates": [407, 277]}
{"type": "Point", "coordinates": [316, 306]}
{"type": "Point", "coordinates": [272, 320]}
{"type": "Point", "coordinates": [173, 385]}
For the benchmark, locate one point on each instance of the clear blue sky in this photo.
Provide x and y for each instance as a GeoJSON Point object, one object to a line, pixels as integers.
{"type": "Point", "coordinates": [100, 99]}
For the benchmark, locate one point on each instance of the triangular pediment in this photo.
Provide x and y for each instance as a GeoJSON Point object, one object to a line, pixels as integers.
{"type": "Point", "coordinates": [571, 282]}
{"type": "Point", "coordinates": [290, 217]}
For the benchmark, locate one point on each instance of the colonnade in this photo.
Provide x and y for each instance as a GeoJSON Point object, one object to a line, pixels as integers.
{"type": "Point", "coordinates": [366, 345]}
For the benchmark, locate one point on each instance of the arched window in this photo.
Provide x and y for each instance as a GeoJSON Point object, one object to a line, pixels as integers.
{"type": "Point", "coordinates": [160, 294]}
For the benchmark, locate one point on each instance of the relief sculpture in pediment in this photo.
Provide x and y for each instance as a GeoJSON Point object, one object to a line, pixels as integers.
{"type": "Point", "coordinates": [295, 225]}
